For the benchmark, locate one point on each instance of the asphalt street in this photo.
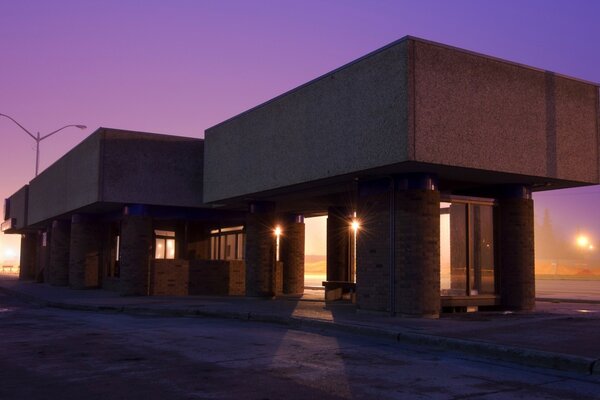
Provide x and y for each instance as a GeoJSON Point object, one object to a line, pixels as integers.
{"type": "Point", "coordinates": [60, 354]}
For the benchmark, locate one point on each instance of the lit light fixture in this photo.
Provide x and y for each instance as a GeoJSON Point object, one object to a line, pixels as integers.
{"type": "Point", "coordinates": [277, 243]}
{"type": "Point", "coordinates": [355, 225]}
{"type": "Point", "coordinates": [583, 241]}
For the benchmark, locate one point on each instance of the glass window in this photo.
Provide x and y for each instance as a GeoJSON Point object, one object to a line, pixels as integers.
{"type": "Point", "coordinates": [481, 269]}
{"type": "Point", "coordinates": [164, 244]}
{"type": "Point", "coordinates": [227, 243]}
{"type": "Point", "coordinates": [466, 249]}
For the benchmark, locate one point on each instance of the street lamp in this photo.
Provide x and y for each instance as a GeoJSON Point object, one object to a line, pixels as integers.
{"type": "Point", "coordinates": [39, 138]}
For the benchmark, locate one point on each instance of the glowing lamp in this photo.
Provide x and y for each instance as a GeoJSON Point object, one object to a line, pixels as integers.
{"type": "Point", "coordinates": [583, 241]}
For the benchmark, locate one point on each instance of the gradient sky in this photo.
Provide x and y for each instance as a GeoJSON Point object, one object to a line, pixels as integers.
{"type": "Point", "coordinates": [182, 66]}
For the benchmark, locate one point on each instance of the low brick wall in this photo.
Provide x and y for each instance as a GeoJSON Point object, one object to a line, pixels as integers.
{"type": "Point", "coordinates": [169, 278]}
{"type": "Point", "coordinates": [217, 277]}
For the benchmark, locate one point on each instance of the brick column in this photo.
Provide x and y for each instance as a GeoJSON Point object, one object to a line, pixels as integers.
{"type": "Point", "coordinates": [417, 247]}
{"type": "Point", "coordinates": [59, 253]}
{"type": "Point", "coordinates": [260, 250]}
{"type": "Point", "coordinates": [42, 256]}
{"type": "Point", "coordinates": [28, 256]}
{"type": "Point", "coordinates": [136, 255]}
{"type": "Point", "coordinates": [292, 254]}
{"type": "Point", "coordinates": [373, 247]}
{"type": "Point", "coordinates": [514, 217]}
{"type": "Point", "coordinates": [338, 228]}
{"type": "Point", "coordinates": [398, 259]}
{"type": "Point", "coordinates": [84, 255]}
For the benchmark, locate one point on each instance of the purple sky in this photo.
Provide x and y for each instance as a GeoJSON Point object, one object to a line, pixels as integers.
{"type": "Point", "coordinates": [182, 66]}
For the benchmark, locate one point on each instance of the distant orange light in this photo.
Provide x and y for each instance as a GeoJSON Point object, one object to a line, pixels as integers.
{"type": "Point", "coordinates": [583, 241]}
{"type": "Point", "coordinates": [355, 225]}
{"type": "Point", "coordinates": [277, 230]}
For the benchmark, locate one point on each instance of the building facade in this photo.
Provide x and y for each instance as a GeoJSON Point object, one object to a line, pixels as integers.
{"type": "Point", "coordinates": [423, 157]}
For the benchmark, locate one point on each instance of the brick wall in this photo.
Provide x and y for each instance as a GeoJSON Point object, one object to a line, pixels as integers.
{"type": "Point", "coordinates": [59, 253]}
{"type": "Point", "coordinates": [338, 225]}
{"type": "Point", "coordinates": [136, 247]}
{"type": "Point", "coordinates": [42, 257]}
{"type": "Point", "coordinates": [28, 256]}
{"type": "Point", "coordinates": [169, 278]}
{"type": "Point", "coordinates": [418, 252]}
{"type": "Point", "coordinates": [217, 277]}
{"type": "Point", "coordinates": [260, 253]}
{"type": "Point", "coordinates": [373, 252]}
{"type": "Point", "coordinates": [292, 258]}
{"type": "Point", "coordinates": [85, 253]}
{"type": "Point", "coordinates": [415, 285]}
{"type": "Point", "coordinates": [514, 219]}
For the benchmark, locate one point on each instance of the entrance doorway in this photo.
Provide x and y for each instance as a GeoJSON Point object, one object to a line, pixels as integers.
{"type": "Point", "coordinates": [315, 250]}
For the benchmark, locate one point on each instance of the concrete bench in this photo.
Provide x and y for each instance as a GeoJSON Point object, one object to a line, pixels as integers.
{"type": "Point", "coordinates": [335, 290]}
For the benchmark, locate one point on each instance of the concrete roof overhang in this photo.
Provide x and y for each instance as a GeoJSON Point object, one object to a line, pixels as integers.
{"type": "Point", "coordinates": [313, 198]}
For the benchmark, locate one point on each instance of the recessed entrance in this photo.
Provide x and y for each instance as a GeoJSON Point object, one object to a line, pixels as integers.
{"type": "Point", "coordinates": [315, 250]}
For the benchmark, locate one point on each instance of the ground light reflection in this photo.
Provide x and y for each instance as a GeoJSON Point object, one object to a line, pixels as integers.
{"type": "Point", "coordinates": [334, 362]}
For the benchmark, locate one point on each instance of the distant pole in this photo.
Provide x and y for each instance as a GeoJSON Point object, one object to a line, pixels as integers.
{"type": "Point", "coordinates": [38, 138]}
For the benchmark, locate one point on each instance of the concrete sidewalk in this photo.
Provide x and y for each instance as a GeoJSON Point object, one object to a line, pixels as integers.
{"type": "Point", "coordinates": [561, 335]}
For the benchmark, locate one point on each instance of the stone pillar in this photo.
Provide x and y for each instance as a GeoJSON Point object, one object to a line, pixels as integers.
{"type": "Point", "coordinates": [338, 230]}
{"type": "Point", "coordinates": [292, 254]}
{"type": "Point", "coordinates": [398, 255]}
{"type": "Point", "coordinates": [417, 246]}
{"type": "Point", "coordinates": [137, 239]}
{"type": "Point", "coordinates": [260, 250]}
{"type": "Point", "coordinates": [85, 254]}
{"type": "Point", "coordinates": [59, 253]}
{"type": "Point", "coordinates": [514, 217]}
{"type": "Point", "coordinates": [28, 256]}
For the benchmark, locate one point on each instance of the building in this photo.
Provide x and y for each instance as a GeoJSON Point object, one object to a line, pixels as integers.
{"type": "Point", "coordinates": [423, 157]}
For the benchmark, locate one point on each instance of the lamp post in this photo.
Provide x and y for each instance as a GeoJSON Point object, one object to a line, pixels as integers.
{"type": "Point", "coordinates": [38, 138]}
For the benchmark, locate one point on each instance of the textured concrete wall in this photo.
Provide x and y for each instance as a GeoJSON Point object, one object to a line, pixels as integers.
{"type": "Point", "coordinates": [260, 254]}
{"type": "Point", "coordinates": [351, 119]}
{"type": "Point", "coordinates": [29, 242]}
{"type": "Point", "coordinates": [141, 168]}
{"type": "Point", "coordinates": [478, 112]}
{"type": "Point", "coordinates": [217, 277]}
{"type": "Point", "coordinates": [169, 278]}
{"type": "Point", "coordinates": [59, 252]}
{"type": "Point", "coordinates": [85, 253]}
{"type": "Point", "coordinates": [18, 207]}
{"type": "Point", "coordinates": [514, 217]}
{"type": "Point", "coordinates": [292, 257]}
{"type": "Point", "coordinates": [338, 225]}
{"type": "Point", "coordinates": [136, 251]}
{"type": "Point", "coordinates": [68, 184]}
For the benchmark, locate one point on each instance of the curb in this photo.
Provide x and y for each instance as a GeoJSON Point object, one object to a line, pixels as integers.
{"type": "Point", "coordinates": [561, 300]}
{"type": "Point", "coordinates": [512, 354]}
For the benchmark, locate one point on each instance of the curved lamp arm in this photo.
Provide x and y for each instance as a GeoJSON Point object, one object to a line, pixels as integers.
{"type": "Point", "coordinates": [58, 130]}
{"type": "Point", "coordinates": [20, 126]}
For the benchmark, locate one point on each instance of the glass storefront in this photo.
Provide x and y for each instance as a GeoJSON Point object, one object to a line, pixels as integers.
{"type": "Point", "coordinates": [466, 248]}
